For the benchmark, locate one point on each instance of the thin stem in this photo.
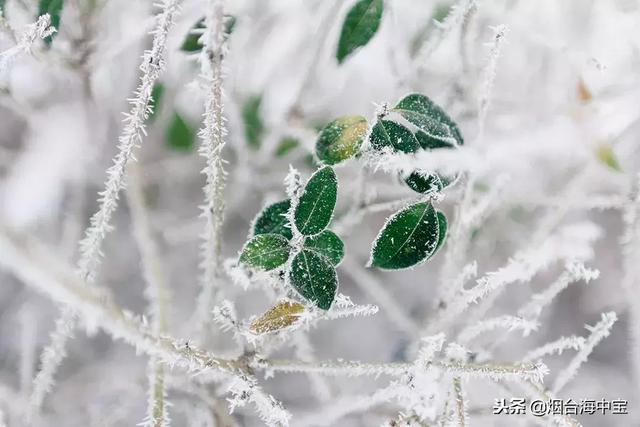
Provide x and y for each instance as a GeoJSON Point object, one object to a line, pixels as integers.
{"type": "Point", "coordinates": [461, 410]}
{"type": "Point", "coordinates": [155, 291]}
{"type": "Point", "coordinates": [212, 137]}
{"type": "Point", "coordinates": [91, 246]}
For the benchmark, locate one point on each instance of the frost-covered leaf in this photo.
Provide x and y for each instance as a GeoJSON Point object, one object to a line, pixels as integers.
{"type": "Point", "coordinates": [328, 244]}
{"type": "Point", "coordinates": [387, 133]}
{"type": "Point", "coordinates": [283, 314]}
{"type": "Point", "coordinates": [422, 182]}
{"type": "Point", "coordinates": [272, 220]}
{"type": "Point", "coordinates": [317, 201]}
{"type": "Point", "coordinates": [156, 99]}
{"type": "Point", "coordinates": [192, 41]}
{"type": "Point", "coordinates": [180, 136]}
{"type": "Point", "coordinates": [360, 25]}
{"type": "Point", "coordinates": [286, 145]}
{"type": "Point", "coordinates": [429, 118]}
{"type": "Point", "coordinates": [607, 156]}
{"type": "Point", "coordinates": [253, 125]}
{"type": "Point", "coordinates": [341, 139]}
{"type": "Point", "coordinates": [442, 230]}
{"type": "Point", "coordinates": [266, 251]}
{"type": "Point", "coordinates": [408, 238]}
{"type": "Point", "coordinates": [428, 143]}
{"type": "Point", "coordinates": [314, 277]}
{"type": "Point", "coordinates": [54, 9]}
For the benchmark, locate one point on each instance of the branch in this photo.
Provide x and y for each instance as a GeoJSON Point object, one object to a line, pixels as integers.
{"type": "Point", "coordinates": [33, 264]}
{"type": "Point", "coordinates": [575, 271]}
{"type": "Point", "coordinates": [461, 404]}
{"type": "Point", "coordinates": [558, 346]}
{"type": "Point", "coordinates": [212, 135]}
{"type": "Point", "coordinates": [38, 30]}
{"type": "Point", "coordinates": [598, 332]}
{"type": "Point", "coordinates": [90, 246]}
{"type": "Point", "coordinates": [153, 63]}
{"type": "Point", "coordinates": [155, 291]}
{"type": "Point", "coordinates": [516, 371]}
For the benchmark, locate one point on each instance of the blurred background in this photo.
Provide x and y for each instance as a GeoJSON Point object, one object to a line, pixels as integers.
{"type": "Point", "coordinates": [559, 147]}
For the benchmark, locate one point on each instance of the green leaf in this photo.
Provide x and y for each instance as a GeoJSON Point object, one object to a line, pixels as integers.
{"type": "Point", "coordinates": [180, 136]}
{"type": "Point", "coordinates": [408, 238]}
{"type": "Point", "coordinates": [360, 25]}
{"type": "Point", "coordinates": [253, 126]}
{"type": "Point", "coordinates": [272, 220]}
{"type": "Point", "coordinates": [54, 9]}
{"type": "Point", "coordinates": [283, 314]}
{"type": "Point", "coordinates": [286, 145]}
{"type": "Point", "coordinates": [266, 251]}
{"type": "Point", "coordinates": [328, 244]}
{"type": "Point", "coordinates": [386, 133]}
{"type": "Point", "coordinates": [156, 99]}
{"type": "Point", "coordinates": [229, 25]}
{"type": "Point", "coordinates": [429, 118]}
{"type": "Point", "coordinates": [442, 230]}
{"type": "Point", "coordinates": [422, 182]}
{"type": "Point", "coordinates": [607, 156]}
{"type": "Point", "coordinates": [341, 139]}
{"type": "Point", "coordinates": [192, 41]}
{"type": "Point", "coordinates": [429, 143]}
{"type": "Point", "coordinates": [317, 202]}
{"type": "Point", "coordinates": [313, 276]}
{"type": "Point", "coordinates": [2, 2]}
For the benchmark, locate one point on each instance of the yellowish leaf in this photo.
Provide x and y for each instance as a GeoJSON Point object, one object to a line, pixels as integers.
{"type": "Point", "coordinates": [283, 314]}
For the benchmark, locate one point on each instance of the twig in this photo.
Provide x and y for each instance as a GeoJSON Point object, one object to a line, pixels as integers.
{"type": "Point", "coordinates": [213, 140]}
{"type": "Point", "coordinates": [155, 291]}
{"type": "Point", "coordinates": [598, 332]}
{"type": "Point", "coordinates": [90, 246]}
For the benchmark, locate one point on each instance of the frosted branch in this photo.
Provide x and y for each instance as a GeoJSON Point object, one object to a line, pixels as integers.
{"type": "Point", "coordinates": [50, 360]}
{"type": "Point", "coordinates": [461, 403]}
{"type": "Point", "coordinates": [510, 372]}
{"type": "Point", "coordinates": [575, 271]}
{"type": "Point", "coordinates": [212, 137]}
{"type": "Point", "coordinates": [499, 33]}
{"type": "Point", "coordinates": [343, 307]}
{"type": "Point", "coordinates": [598, 332]}
{"type": "Point", "coordinates": [155, 291]}
{"type": "Point", "coordinates": [334, 368]}
{"type": "Point", "coordinates": [40, 29]}
{"type": "Point", "coordinates": [571, 242]}
{"type": "Point", "coordinates": [153, 63]}
{"type": "Point", "coordinates": [245, 389]}
{"type": "Point", "coordinates": [90, 246]}
{"type": "Point", "coordinates": [510, 323]}
{"type": "Point", "coordinates": [496, 371]}
{"type": "Point", "coordinates": [556, 347]}
{"type": "Point", "coordinates": [454, 20]}
{"type": "Point", "coordinates": [36, 267]}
